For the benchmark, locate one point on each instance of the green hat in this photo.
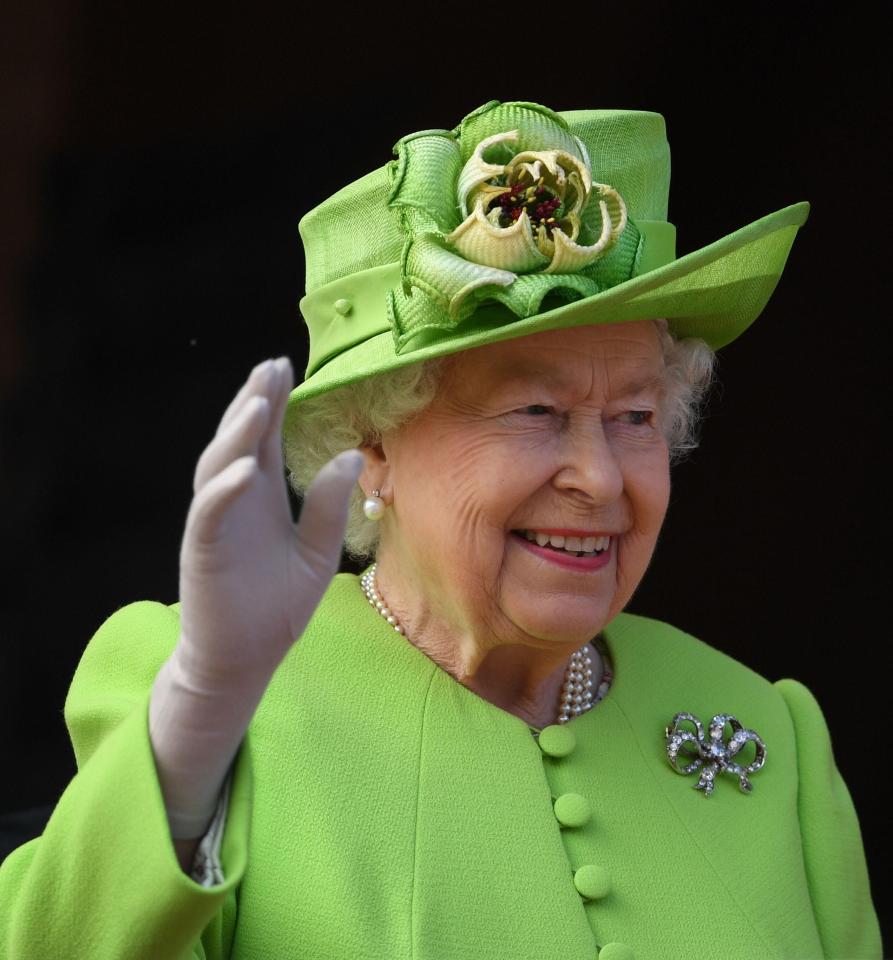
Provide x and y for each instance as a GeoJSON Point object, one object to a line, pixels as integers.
{"type": "Point", "coordinates": [518, 220]}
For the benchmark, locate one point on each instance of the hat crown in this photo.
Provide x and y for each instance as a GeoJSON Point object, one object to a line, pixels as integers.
{"type": "Point", "coordinates": [356, 230]}
{"type": "Point", "coordinates": [629, 151]}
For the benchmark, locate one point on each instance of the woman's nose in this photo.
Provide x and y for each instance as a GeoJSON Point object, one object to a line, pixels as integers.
{"type": "Point", "coordinates": [590, 465]}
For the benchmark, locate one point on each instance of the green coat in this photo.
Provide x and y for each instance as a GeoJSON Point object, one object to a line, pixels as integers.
{"type": "Point", "coordinates": [380, 809]}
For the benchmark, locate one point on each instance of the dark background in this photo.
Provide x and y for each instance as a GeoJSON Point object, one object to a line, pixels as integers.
{"type": "Point", "coordinates": [157, 164]}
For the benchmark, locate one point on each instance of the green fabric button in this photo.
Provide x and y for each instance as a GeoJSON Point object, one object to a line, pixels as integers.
{"type": "Point", "coordinates": [572, 810]}
{"type": "Point", "coordinates": [557, 740]}
{"type": "Point", "coordinates": [343, 306]}
{"type": "Point", "coordinates": [616, 951]}
{"type": "Point", "coordinates": [592, 881]}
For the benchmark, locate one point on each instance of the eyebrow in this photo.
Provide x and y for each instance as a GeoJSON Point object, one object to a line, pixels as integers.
{"type": "Point", "coordinates": [644, 384]}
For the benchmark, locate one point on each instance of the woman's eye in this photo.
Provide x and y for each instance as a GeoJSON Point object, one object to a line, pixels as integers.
{"type": "Point", "coordinates": [536, 409]}
{"type": "Point", "coordinates": [638, 418]}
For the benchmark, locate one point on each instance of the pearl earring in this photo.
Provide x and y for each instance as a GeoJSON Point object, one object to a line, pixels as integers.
{"type": "Point", "coordinates": [373, 506]}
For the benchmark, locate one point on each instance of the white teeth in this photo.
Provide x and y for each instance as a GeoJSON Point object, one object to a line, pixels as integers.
{"type": "Point", "coordinates": [572, 544]}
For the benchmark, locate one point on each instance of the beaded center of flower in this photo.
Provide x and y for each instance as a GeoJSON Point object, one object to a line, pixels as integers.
{"type": "Point", "coordinates": [540, 203]}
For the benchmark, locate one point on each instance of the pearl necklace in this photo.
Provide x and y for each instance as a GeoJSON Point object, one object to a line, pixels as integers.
{"type": "Point", "coordinates": [576, 693]}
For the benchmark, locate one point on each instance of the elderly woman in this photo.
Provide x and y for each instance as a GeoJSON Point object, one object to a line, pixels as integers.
{"type": "Point", "coordinates": [471, 750]}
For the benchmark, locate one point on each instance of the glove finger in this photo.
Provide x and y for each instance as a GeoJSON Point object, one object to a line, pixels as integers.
{"type": "Point", "coordinates": [320, 531]}
{"type": "Point", "coordinates": [270, 455]}
{"type": "Point", "coordinates": [238, 439]}
{"type": "Point", "coordinates": [209, 507]}
{"type": "Point", "coordinates": [259, 383]}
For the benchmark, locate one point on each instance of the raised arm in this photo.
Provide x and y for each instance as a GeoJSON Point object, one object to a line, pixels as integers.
{"type": "Point", "coordinates": [249, 583]}
{"type": "Point", "coordinates": [104, 878]}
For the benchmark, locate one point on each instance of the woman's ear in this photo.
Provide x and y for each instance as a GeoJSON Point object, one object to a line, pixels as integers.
{"type": "Point", "coordinates": [375, 474]}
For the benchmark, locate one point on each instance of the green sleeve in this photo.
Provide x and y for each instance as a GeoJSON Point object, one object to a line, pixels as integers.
{"type": "Point", "coordinates": [833, 853]}
{"type": "Point", "coordinates": [103, 880]}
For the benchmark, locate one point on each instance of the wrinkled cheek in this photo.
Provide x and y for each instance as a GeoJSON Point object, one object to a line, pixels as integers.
{"type": "Point", "coordinates": [633, 556]}
{"type": "Point", "coordinates": [649, 510]}
{"type": "Point", "coordinates": [466, 546]}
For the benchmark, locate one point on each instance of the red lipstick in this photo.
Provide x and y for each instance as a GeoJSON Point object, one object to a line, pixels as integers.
{"type": "Point", "coordinates": [563, 559]}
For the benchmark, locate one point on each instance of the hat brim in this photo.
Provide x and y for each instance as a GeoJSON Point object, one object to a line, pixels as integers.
{"type": "Point", "coordinates": [714, 293]}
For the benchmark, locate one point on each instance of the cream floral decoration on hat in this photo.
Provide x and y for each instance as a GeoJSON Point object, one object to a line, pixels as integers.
{"type": "Point", "coordinates": [526, 213]}
{"type": "Point", "coordinates": [501, 209]}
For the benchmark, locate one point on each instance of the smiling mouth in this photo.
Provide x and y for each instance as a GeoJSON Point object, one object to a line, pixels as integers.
{"type": "Point", "coordinates": [569, 546]}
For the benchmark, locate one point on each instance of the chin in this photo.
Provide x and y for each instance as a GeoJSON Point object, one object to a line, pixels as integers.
{"type": "Point", "coordinates": [565, 620]}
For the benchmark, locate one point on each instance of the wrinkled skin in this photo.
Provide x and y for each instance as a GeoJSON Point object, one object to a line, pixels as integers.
{"type": "Point", "coordinates": [554, 430]}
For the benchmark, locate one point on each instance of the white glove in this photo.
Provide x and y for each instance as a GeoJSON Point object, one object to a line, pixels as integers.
{"type": "Point", "coordinates": [250, 581]}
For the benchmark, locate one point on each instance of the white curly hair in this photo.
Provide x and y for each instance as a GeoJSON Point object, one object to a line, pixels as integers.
{"type": "Point", "coordinates": [362, 412]}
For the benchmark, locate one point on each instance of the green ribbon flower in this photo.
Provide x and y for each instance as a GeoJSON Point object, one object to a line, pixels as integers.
{"type": "Point", "coordinates": [502, 208]}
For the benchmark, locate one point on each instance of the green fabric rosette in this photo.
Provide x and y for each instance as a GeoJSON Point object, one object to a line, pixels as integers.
{"type": "Point", "coordinates": [502, 208]}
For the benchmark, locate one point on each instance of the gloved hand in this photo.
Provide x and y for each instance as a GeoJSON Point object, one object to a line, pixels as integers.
{"type": "Point", "coordinates": [249, 583]}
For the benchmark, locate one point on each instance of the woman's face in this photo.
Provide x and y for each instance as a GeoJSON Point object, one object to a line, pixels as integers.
{"type": "Point", "coordinates": [553, 432]}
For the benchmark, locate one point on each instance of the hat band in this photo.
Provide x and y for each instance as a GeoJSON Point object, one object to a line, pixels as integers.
{"type": "Point", "coordinates": [351, 309]}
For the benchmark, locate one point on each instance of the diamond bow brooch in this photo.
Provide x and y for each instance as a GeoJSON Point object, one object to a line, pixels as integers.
{"type": "Point", "coordinates": [712, 755]}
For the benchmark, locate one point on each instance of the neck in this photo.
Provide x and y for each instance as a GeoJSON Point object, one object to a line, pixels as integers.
{"type": "Point", "coordinates": [523, 676]}
{"type": "Point", "coordinates": [507, 679]}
